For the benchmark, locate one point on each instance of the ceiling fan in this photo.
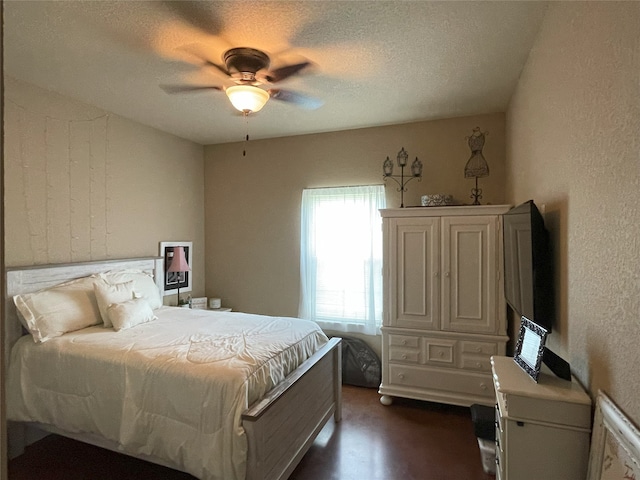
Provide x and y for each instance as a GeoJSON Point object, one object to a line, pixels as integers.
{"type": "Point", "coordinates": [248, 69]}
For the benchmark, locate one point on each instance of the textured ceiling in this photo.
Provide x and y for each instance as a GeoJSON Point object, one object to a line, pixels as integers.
{"type": "Point", "coordinates": [375, 62]}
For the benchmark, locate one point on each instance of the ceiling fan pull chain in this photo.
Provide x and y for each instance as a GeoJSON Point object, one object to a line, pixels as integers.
{"type": "Point", "coordinates": [246, 139]}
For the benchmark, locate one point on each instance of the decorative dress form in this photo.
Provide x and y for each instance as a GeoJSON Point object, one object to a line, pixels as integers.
{"type": "Point", "coordinates": [476, 166]}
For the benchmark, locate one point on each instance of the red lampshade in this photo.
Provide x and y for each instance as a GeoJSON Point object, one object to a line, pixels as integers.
{"type": "Point", "coordinates": [179, 262]}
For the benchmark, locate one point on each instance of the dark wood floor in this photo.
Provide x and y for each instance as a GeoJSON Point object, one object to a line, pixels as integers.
{"type": "Point", "coordinates": [409, 440]}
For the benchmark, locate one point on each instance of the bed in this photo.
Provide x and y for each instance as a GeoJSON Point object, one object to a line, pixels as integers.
{"type": "Point", "coordinates": [257, 427]}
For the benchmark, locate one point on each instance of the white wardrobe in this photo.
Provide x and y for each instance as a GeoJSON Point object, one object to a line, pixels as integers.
{"type": "Point", "coordinates": [444, 307]}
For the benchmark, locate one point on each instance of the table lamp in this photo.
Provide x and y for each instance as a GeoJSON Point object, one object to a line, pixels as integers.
{"type": "Point", "coordinates": [178, 265]}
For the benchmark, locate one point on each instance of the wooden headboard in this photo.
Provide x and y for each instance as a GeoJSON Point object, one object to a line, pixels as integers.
{"type": "Point", "coordinates": [29, 279]}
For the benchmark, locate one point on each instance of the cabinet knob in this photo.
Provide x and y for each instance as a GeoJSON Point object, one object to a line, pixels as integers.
{"type": "Point", "coordinates": [404, 342]}
{"type": "Point", "coordinates": [401, 376]}
{"type": "Point", "coordinates": [404, 356]}
{"type": "Point", "coordinates": [478, 365]}
{"type": "Point", "coordinates": [436, 274]}
{"type": "Point", "coordinates": [483, 386]}
{"type": "Point", "coordinates": [441, 354]}
{"type": "Point", "coordinates": [478, 349]}
{"type": "Point", "coordinates": [446, 274]}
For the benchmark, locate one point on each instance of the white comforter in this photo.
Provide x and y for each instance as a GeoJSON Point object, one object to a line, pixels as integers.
{"type": "Point", "coordinates": [173, 388]}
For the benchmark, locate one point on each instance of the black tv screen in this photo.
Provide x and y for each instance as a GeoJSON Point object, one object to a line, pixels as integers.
{"type": "Point", "coordinates": [528, 265]}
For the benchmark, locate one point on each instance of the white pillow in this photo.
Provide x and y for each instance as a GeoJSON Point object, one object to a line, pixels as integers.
{"type": "Point", "coordinates": [63, 308]}
{"type": "Point", "coordinates": [143, 284]}
{"type": "Point", "coordinates": [106, 294]}
{"type": "Point", "coordinates": [130, 313]}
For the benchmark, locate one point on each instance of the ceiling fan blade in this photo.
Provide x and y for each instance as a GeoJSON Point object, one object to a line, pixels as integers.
{"type": "Point", "coordinates": [197, 51]}
{"type": "Point", "coordinates": [219, 67]}
{"type": "Point", "coordinates": [200, 15]}
{"type": "Point", "coordinates": [304, 101]}
{"type": "Point", "coordinates": [282, 73]}
{"type": "Point", "coordinates": [188, 88]}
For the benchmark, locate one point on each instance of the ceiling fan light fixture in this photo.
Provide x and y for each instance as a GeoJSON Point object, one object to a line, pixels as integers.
{"type": "Point", "coordinates": [247, 98]}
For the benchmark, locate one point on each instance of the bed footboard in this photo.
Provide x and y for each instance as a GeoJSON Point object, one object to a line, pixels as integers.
{"type": "Point", "coordinates": [282, 426]}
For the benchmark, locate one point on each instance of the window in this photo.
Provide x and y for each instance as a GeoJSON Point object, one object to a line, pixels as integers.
{"type": "Point", "coordinates": [341, 258]}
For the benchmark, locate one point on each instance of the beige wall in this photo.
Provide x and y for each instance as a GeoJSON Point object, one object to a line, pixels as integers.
{"type": "Point", "coordinates": [83, 184]}
{"type": "Point", "coordinates": [252, 203]}
{"type": "Point", "coordinates": [573, 144]}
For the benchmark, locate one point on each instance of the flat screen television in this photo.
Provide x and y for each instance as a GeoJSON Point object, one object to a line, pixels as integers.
{"type": "Point", "coordinates": [528, 265]}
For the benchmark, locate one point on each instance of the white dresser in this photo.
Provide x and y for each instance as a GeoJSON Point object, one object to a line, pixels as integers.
{"type": "Point", "coordinates": [542, 429]}
{"type": "Point", "coordinates": [444, 308]}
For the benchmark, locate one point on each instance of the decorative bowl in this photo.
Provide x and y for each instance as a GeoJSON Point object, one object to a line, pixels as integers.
{"type": "Point", "coordinates": [437, 200]}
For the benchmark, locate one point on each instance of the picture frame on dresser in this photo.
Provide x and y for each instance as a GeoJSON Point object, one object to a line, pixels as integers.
{"type": "Point", "coordinates": [174, 280]}
{"type": "Point", "coordinates": [615, 444]}
{"type": "Point", "coordinates": [530, 347]}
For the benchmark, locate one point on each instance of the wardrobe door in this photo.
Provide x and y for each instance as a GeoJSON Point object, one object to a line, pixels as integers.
{"type": "Point", "coordinates": [470, 273]}
{"type": "Point", "coordinates": [414, 273]}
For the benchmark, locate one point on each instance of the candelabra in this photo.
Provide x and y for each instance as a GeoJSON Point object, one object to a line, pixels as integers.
{"type": "Point", "coordinates": [416, 172]}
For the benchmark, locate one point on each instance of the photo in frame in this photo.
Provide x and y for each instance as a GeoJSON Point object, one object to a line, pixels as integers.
{"type": "Point", "coordinates": [530, 347]}
{"type": "Point", "coordinates": [174, 279]}
{"type": "Point", "coordinates": [615, 444]}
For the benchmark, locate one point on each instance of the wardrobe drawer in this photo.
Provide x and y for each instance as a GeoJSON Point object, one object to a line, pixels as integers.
{"type": "Point", "coordinates": [445, 380]}
{"type": "Point", "coordinates": [403, 341]}
{"type": "Point", "coordinates": [403, 355]}
{"type": "Point", "coordinates": [482, 348]}
{"type": "Point", "coordinates": [440, 352]}
{"type": "Point", "coordinates": [476, 363]}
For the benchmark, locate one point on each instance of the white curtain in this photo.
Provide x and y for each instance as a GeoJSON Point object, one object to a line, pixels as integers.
{"type": "Point", "coordinates": [341, 258]}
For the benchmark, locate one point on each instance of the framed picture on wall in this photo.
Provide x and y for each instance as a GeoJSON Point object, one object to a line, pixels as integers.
{"type": "Point", "coordinates": [176, 280]}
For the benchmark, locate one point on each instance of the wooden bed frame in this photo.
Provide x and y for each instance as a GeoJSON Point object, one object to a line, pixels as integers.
{"type": "Point", "coordinates": [280, 428]}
